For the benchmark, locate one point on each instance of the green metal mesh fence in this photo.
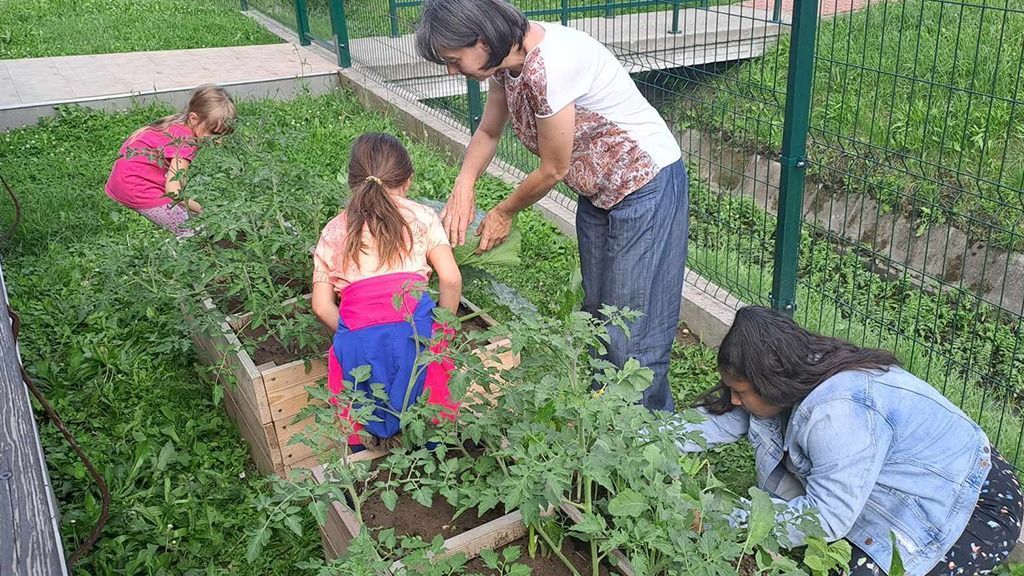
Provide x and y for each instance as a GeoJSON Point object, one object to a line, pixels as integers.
{"type": "Point", "coordinates": [907, 202]}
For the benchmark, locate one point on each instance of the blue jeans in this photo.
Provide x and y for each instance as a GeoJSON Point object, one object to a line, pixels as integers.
{"type": "Point", "coordinates": [634, 255]}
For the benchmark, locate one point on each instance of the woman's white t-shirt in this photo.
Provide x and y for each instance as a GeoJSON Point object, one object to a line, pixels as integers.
{"type": "Point", "coordinates": [621, 142]}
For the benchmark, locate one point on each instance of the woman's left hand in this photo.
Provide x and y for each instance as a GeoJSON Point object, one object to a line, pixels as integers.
{"type": "Point", "coordinates": [494, 229]}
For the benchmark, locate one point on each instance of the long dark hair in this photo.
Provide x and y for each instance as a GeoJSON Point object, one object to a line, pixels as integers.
{"type": "Point", "coordinates": [377, 163]}
{"type": "Point", "coordinates": [782, 361]}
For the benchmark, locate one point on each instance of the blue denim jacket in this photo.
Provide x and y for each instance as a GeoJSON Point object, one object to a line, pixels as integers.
{"type": "Point", "coordinates": [876, 453]}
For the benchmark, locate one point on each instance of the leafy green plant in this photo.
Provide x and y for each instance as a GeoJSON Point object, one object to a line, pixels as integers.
{"type": "Point", "coordinates": [825, 558]}
{"type": "Point", "coordinates": [101, 291]}
{"type": "Point", "coordinates": [505, 564]}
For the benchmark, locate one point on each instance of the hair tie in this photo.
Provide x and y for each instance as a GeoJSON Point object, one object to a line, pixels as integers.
{"type": "Point", "coordinates": [373, 179]}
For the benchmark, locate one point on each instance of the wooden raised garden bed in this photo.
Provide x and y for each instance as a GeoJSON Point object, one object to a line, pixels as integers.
{"type": "Point", "coordinates": [488, 532]}
{"type": "Point", "coordinates": [264, 399]}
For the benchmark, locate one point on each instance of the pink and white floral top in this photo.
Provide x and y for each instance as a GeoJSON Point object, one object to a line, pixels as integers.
{"type": "Point", "coordinates": [621, 142]}
{"type": "Point", "coordinates": [329, 266]}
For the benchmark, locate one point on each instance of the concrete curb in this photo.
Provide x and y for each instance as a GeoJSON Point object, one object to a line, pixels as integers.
{"type": "Point", "coordinates": [18, 116]}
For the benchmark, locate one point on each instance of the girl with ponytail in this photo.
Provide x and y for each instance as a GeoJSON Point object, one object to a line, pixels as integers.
{"type": "Point", "coordinates": [370, 269]}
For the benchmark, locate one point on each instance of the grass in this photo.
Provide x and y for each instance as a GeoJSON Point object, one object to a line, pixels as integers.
{"type": "Point", "coordinates": [104, 336]}
{"type": "Point", "coordinates": [968, 350]}
{"type": "Point", "coordinates": [113, 358]}
{"type": "Point", "coordinates": [916, 103]}
{"type": "Point", "coordinates": [70, 27]}
{"type": "Point", "coordinates": [103, 331]}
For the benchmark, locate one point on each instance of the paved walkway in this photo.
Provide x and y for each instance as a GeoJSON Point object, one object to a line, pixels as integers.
{"type": "Point", "coordinates": [825, 7]}
{"type": "Point", "coordinates": [35, 81]}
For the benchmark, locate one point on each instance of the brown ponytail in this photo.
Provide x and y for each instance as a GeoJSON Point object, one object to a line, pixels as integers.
{"type": "Point", "coordinates": [377, 163]}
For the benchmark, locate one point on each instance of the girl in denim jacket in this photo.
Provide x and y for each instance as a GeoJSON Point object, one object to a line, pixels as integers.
{"type": "Point", "coordinates": [878, 454]}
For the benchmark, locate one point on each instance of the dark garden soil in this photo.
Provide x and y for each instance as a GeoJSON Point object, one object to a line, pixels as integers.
{"type": "Point", "coordinates": [270, 349]}
{"type": "Point", "coordinates": [685, 337]}
{"type": "Point", "coordinates": [413, 519]}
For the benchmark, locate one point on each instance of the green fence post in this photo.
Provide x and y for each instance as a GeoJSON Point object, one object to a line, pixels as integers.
{"type": "Point", "coordinates": [675, 17]}
{"type": "Point", "coordinates": [564, 12]}
{"type": "Point", "coordinates": [302, 22]}
{"type": "Point", "coordinates": [777, 11]}
{"type": "Point", "coordinates": [340, 28]}
{"type": "Point", "coordinates": [609, 12]}
{"type": "Point", "coordinates": [393, 16]}
{"type": "Point", "coordinates": [245, 5]}
{"type": "Point", "coordinates": [794, 159]}
{"type": "Point", "coordinates": [476, 104]}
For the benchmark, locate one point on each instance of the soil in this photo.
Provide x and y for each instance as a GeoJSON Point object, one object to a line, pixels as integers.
{"type": "Point", "coordinates": [225, 244]}
{"type": "Point", "coordinates": [748, 566]}
{"type": "Point", "coordinates": [577, 552]}
{"type": "Point", "coordinates": [474, 324]}
{"type": "Point", "coordinates": [270, 349]}
{"type": "Point", "coordinates": [685, 337]}
{"type": "Point", "coordinates": [412, 519]}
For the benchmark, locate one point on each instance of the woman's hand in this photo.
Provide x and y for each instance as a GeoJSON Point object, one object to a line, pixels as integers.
{"type": "Point", "coordinates": [458, 213]}
{"type": "Point", "coordinates": [494, 229]}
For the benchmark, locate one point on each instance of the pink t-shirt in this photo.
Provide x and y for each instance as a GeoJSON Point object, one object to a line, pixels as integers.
{"type": "Point", "coordinates": [329, 265]}
{"type": "Point", "coordinates": [139, 176]}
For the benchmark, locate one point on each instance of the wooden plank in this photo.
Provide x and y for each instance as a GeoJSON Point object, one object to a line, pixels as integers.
{"type": "Point", "coordinates": [304, 464]}
{"type": "Point", "coordinates": [285, 408]}
{"type": "Point", "coordinates": [285, 430]}
{"type": "Point", "coordinates": [489, 536]}
{"type": "Point", "coordinates": [283, 378]}
{"type": "Point", "coordinates": [228, 353]}
{"type": "Point", "coordinates": [500, 355]}
{"type": "Point", "coordinates": [30, 541]}
{"type": "Point", "coordinates": [266, 457]}
{"type": "Point", "coordinates": [342, 524]}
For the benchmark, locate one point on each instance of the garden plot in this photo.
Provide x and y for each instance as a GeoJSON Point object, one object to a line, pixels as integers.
{"type": "Point", "coordinates": [265, 377]}
{"type": "Point", "coordinates": [100, 294]}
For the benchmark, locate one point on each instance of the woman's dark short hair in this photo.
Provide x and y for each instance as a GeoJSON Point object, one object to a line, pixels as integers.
{"type": "Point", "coordinates": [782, 361]}
{"type": "Point", "coordinates": [457, 24]}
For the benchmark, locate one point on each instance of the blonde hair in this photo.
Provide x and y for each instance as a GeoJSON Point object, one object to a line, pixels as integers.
{"type": "Point", "coordinates": [211, 104]}
{"type": "Point", "coordinates": [376, 163]}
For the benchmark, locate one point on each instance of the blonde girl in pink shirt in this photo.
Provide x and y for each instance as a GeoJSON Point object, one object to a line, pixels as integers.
{"type": "Point", "coordinates": [149, 171]}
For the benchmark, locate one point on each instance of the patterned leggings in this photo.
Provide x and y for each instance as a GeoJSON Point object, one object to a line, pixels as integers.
{"type": "Point", "coordinates": [171, 217]}
{"type": "Point", "coordinates": [989, 536]}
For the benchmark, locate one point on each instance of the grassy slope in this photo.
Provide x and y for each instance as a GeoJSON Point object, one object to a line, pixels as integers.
{"type": "Point", "coordinates": [917, 103]}
{"type": "Point", "coordinates": [67, 27]}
